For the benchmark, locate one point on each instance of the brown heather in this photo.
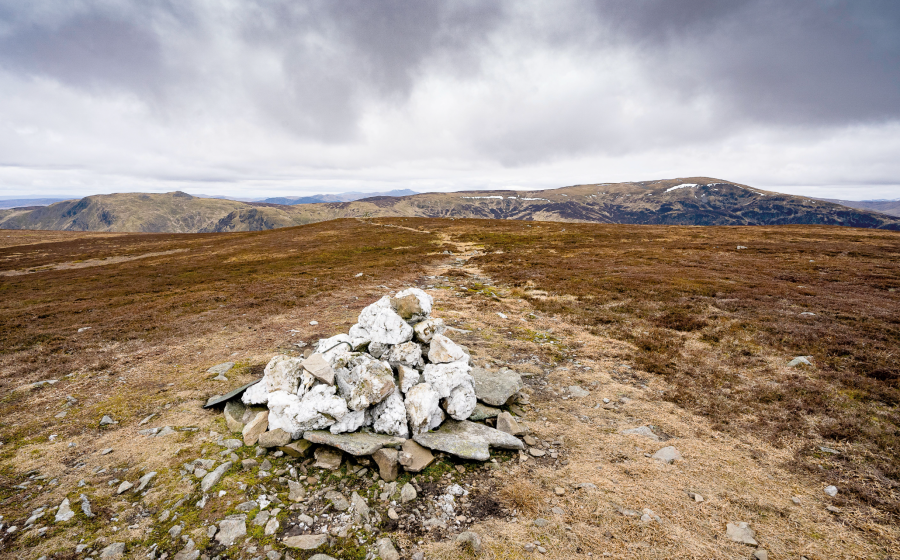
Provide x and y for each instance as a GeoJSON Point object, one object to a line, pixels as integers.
{"type": "Point", "coordinates": [707, 328]}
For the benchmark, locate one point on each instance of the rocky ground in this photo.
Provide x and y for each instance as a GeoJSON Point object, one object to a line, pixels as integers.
{"type": "Point", "coordinates": [609, 467]}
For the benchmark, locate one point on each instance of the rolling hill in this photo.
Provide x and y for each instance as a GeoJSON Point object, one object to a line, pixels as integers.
{"type": "Point", "coordinates": [685, 201]}
{"type": "Point", "coordinates": [889, 207]}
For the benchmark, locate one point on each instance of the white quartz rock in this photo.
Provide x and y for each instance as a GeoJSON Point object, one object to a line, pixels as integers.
{"type": "Point", "coordinates": [423, 410]}
{"type": "Point", "coordinates": [359, 337]}
{"type": "Point", "coordinates": [383, 324]}
{"type": "Point", "coordinates": [443, 350]}
{"type": "Point", "coordinates": [461, 402]}
{"type": "Point", "coordinates": [443, 378]}
{"type": "Point", "coordinates": [282, 373]}
{"type": "Point", "coordinates": [390, 416]}
{"type": "Point", "coordinates": [352, 421]}
{"type": "Point", "coordinates": [305, 383]}
{"type": "Point", "coordinates": [368, 384]}
{"type": "Point", "coordinates": [408, 377]}
{"type": "Point", "coordinates": [334, 347]}
{"type": "Point", "coordinates": [426, 329]}
{"type": "Point", "coordinates": [378, 350]}
{"type": "Point", "coordinates": [425, 300]}
{"type": "Point", "coordinates": [407, 354]}
{"type": "Point", "coordinates": [256, 394]}
{"type": "Point", "coordinates": [318, 409]}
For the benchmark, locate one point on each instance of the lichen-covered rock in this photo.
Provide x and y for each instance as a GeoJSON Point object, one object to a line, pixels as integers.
{"type": "Point", "coordinates": [461, 402]}
{"type": "Point", "coordinates": [383, 324]}
{"type": "Point", "coordinates": [282, 373]}
{"type": "Point", "coordinates": [369, 384]}
{"type": "Point", "coordinates": [378, 350]}
{"type": "Point", "coordinates": [357, 443]}
{"type": "Point", "coordinates": [352, 421]}
{"type": "Point", "coordinates": [359, 337]}
{"type": "Point", "coordinates": [407, 354]}
{"type": "Point", "coordinates": [496, 387]}
{"type": "Point", "coordinates": [443, 378]}
{"type": "Point", "coordinates": [425, 330]}
{"type": "Point", "coordinates": [390, 416]}
{"type": "Point", "coordinates": [467, 440]}
{"type": "Point", "coordinates": [319, 368]}
{"type": "Point", "coordinates": [407, 377]}
{"type": "Point", "coordinates": [319, 408]}
{"type": "Point", "coordinates": [414, 313]}
{"type": "Point", "coordinates": [443, 350]}
{"type": "Point", "coordinates": [423, 408]}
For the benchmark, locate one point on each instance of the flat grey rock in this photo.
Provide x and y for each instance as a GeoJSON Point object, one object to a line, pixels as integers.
{"type": "Point", "coordinates": [221, 368]}
{"type": "Point", "coordinates": [305, 542]}
{"type": "Point", "coordinates": [467, 440]}
{"type": "Point", "coordinates": [641, 431]}
{"type": "Point", "coordinates": [483, 412]}
{"type": "Point", "coordinates": [667, 455]}
{"type": "Point", "coordinates": [741, 532]}
{"type": "Point", "coordinates": [231, 530]}
{"type": "Point", "coordinates": [215, 401]}
{"type": "Point", "coordinates": [495, 387]}
{"type": "Point", "coordinates": [354, 443]}
{"type": "Point", "coordinates": [577, 392]}
{"type": "Point", "coordinates": [800, 361]}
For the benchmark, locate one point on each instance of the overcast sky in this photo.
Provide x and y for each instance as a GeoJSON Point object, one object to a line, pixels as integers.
{"type": "Point", "coordinates": [248, 98]}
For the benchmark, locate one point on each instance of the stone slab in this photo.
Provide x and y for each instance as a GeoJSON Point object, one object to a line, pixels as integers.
{"type": "Point", "coordinates": [355, 443]}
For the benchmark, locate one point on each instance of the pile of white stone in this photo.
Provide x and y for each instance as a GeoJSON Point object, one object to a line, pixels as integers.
{"type": "Point", "coordinates": [394, 372]}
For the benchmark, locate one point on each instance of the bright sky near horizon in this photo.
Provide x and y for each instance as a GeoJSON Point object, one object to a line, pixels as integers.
{"type": "Point", "coordinates": [274, 97]}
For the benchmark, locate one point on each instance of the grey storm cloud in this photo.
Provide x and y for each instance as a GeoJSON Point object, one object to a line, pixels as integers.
{"type": "Point", "coordinates": [511, 84]}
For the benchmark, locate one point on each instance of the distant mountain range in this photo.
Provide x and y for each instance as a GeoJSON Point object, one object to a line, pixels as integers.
{"type": "Point", "coordinates": [341, 197]}
{"type": "Point", "coordinates": [685, 201]}
{"type": "Point", "coordinates": [891, 207]}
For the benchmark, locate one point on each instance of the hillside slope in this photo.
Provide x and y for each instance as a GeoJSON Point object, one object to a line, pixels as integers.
{"type": "Point", "coordinates": [687, 201]}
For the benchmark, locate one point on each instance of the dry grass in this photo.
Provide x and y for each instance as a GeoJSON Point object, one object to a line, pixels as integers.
{"type": "Point", "coordinates": [707, 328]}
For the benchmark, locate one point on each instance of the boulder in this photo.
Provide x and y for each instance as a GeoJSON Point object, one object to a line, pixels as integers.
{"type": "Point", "coordinates": [407, 354]}
{"type": "Point", "coordinates": [359, 337]}
{"type": "Point", "coordinates": [506, 423]}
{"type": "Point", "coordinates": [413, 305]}
{"type": "Point", "coordinates": [282, 373]}
{"type": "Point", "coordinates": [256, 394]}
{"type": "Point", "coordinates": [64, 513]}
{"type": "Point", "coordinates": [461, 402]}
{"type": "Point", "coordinates": [338, 501]}
{"type": "Point", "coordinates": [213, 478]}
{"type": "Point", "coordinates": [741, 532]}
{"type": "Point", "coordinates": [423, 409]}
{"type": "Point", "coordinates": [334, 347]}
{"type": "Point", "coordinates": [443, 378]}
{"type": "Point", "coordinates": [641, 431]}
{"type": "Point", "coordinates": [234, 412]}
{"type": "Point", "coordinates": [577, 392]}
{"type": "Point", "coordinates": [113, 551]}
{"type": "Point", "coordinates": [221, 369]}
{"type": "Point", "coordinates": [385, 549]}
{"type": "Point", "coordinates": [255, 427]}
{"type": "Point", "coordinates": [383, 324]}
{"type": "Point", "coordinates": [352, 421]}
{"type": "Point", "coordinates": [319, 368]}
{"type": "Point", "coordinates": [443, 350]}
{"type": "Point", "coordinates": [305, 542]}
{"type": "Point", "coordinates": [298, 448]}
{"type": "Point", "coordinates": [144, 481]}
{"type": "Point", "coordinates": [274, 438]}
{"type": "Point", "coordinates": [425, 330]}
{"type": "Point", "coordinates": [407, 378]}
{"type": "Point", "coordinates": [388, 463]}
{"type": "Point", "coordinates": [328, 458]}
{"type": "Point", "coordinates": [390, 416]}
{"type": "Point", "coordinates": [357, 443]}
{"type": "Point", "coordinates": [667, 455]}
{"type": "Point", "coordinates": [369, 384]}
{"type": "Point", "coordinates": [496, 387]}
{"type": "Point", "coordinates": [467, 440]}
{"type": "Point", "coordinates": [413, 457]}
{"type": "Point", "coordinates": [318, 408]}
{"type": "Point", "coordinates": [483, 412]}
{"type": "Point", "coordinates": [231, 529]}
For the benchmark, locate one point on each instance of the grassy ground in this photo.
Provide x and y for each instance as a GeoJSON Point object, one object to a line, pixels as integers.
{"type": "Point", "coordinates": [694, 333]}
